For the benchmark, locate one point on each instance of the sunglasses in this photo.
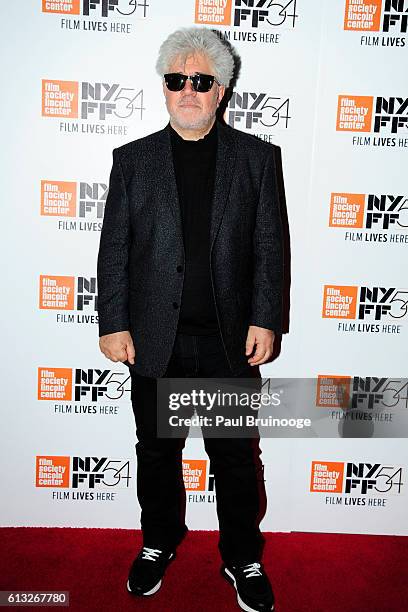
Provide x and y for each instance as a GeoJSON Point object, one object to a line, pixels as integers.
{"type": "Point", "coordinates": [199, 82]}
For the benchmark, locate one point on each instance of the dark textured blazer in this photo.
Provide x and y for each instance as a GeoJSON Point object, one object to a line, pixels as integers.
{"type": "Point", "coordinates": [141, 253]}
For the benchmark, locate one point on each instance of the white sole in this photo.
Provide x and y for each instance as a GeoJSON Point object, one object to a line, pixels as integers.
{"type": "Point", "coordinates": [151, 592]}
{"type": "Point", "coordinates": [242, 605]}
{"type": "Point", "coordinates": [154, 589]}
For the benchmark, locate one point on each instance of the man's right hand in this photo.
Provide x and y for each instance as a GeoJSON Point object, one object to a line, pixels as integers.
{"type": "Point", "coordinates": [118, 347]}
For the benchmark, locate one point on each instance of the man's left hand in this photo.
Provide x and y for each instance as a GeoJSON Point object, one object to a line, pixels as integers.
{"type": "Point", "coordinates": [263, 339]}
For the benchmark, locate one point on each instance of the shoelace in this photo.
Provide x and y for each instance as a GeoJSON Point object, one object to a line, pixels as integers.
{"type": "Point", "coordinates": [150, 554]}
{"type": "Point", "coordinates": [252, 569]}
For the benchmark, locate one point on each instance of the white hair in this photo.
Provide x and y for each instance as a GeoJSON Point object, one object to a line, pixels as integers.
{"type": "Point", "coordinates": [189, 41]}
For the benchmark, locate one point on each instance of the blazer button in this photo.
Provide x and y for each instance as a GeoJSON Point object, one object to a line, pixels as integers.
{"type": "Point", "coordinates": [175, 305]}
{"type": "Point", "coordinates": [179, 268]}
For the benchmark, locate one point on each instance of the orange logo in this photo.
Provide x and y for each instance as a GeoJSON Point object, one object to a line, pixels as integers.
{"type": "Point", "coordinates": [69, 7]}
{"type": "Point", "coordinates": [346, 210]}
{"type": "Point", "coordinates": [333, 391]}
{"type": "Point", "coordinates": [60, 99]}
{"type": "Point", "coordinates": [58, 198]}
{"type": "Point", "coordinates": [339, 302]}
{"type": "Point", "coordinates": [215, 12]}
{"type": "Point", "coordinates": [327, 476]}
{"type": "Point", "coordinates": [52, 472]}
{"type": "Point", "coordinates": [362, 15]}
{"type": "Point", "coordinates": [195, 474]}
{"type": "Point", "coordinates": [55, 383]}
{"type": "Point", "coordinates": [57, 292]}
{"type": "Point", "coordinates": [354, 113]}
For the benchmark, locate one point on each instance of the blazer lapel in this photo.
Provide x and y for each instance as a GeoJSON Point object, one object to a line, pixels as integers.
{"type": "Point", "coordinates": [224, 169]}
{"type": "Point", "coordinates": [166, 171]}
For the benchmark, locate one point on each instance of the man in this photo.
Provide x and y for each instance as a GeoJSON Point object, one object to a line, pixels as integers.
{"type": "Point", "coordinates": [190, 285]}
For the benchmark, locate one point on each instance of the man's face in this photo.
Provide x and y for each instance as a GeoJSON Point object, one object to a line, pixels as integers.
{"type": "Point", "coordinates": [188, 109]}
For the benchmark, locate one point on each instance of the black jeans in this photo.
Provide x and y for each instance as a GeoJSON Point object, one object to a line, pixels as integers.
{"type": "Point", "coordinates": [235, 462]}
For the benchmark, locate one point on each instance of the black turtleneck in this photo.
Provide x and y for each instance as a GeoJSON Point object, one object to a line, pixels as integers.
{"type": "Point", "coordinates": [194, 165]}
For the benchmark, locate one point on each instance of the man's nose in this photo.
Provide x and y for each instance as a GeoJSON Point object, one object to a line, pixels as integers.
{"type": "Point", "coordinates": [188, 88]}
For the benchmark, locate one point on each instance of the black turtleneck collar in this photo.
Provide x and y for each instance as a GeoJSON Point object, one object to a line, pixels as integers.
{"type": "Point", "coordinates": [203, 144]}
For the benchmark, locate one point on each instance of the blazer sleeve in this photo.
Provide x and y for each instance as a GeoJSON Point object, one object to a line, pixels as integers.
{"type": "Point", "coordinates": [113, 256]}
{"type": "Point", "coordinates": [268, 254]}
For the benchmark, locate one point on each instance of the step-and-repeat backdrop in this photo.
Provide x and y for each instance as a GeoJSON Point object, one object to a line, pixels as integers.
{"type": "Point", "coordinates": [326, 82]}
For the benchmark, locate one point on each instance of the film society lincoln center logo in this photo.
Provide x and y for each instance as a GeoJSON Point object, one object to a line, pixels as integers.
{"type": "Point", "coordinates": [82, 385]}
{"type": "Point", "coordinates": [81, 205]}
{"type": "Point", "coordinates": [375, 213]}
{"type": "Point", "coordinates": [375, 309]}
{"type": "Point", "coordinates": [249, 21]}
{"type": "Point", "coordinates": [69, 293]}
{"type": "Point", "coordinates": [89, 102]}
{"type": "Point", "coordinates": [388, 17]}
{"type": "Point", "coordinates": [98, 15]}
{"type": "Point", "coordinates": [385, 118]}
{"type": "Point", "coordinates": [377, 395]}
{"type": "Point", "coordinates": [198, 481]}
{"type": "Point", "coordinates": [356, 484]}
{"type": "Point", "coordinates": [88, 478]}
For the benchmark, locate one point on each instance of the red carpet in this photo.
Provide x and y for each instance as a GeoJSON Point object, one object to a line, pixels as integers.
{"type": "Point", "coordinates": [309, 572]}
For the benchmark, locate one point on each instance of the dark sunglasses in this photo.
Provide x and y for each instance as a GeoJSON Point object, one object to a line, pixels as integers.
{"type": "Point", "coordinates": [200, 82]}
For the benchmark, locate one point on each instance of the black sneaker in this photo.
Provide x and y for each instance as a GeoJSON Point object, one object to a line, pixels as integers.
{"type": "Point", "coordinates": [254, 591]}
{"type": "Point", "coordinates": [147, 571]}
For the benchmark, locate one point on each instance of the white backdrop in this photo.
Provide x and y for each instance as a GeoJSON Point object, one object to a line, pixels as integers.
{"type": "Point", "coordinates": [79, 80]}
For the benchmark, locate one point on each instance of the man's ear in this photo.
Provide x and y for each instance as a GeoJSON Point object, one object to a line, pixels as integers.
{"type": "Point", "coordinates": [221, 92]}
